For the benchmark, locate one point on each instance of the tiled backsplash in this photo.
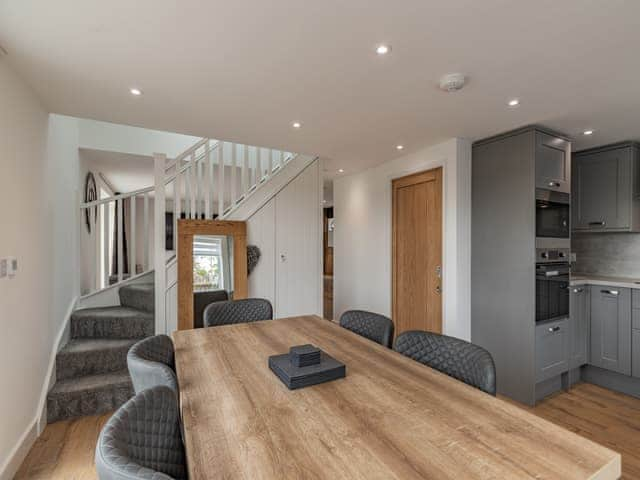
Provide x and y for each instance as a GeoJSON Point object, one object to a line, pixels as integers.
{"type": "Point", "coordinates": [613, 254]}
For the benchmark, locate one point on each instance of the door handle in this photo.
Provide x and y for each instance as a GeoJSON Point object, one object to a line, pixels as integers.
{"type": "Point", "coordinates": [438, 289]}
{"type": "Point", "coordinates": [554, 329]}
{"type": "Point", "coordinates": [554, 184]}
{"type": "Point", "coordinates": [615, 293]}
{"type": "Point", "coordinates": [578, 290]}
{"type": "Point", "coordinates": [283, 257]}
{"type": "Point", "coordinates": [601, 223]}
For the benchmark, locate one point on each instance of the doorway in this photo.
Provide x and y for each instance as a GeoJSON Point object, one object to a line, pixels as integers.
{"type": "Point", "coordinates": [417, 252]}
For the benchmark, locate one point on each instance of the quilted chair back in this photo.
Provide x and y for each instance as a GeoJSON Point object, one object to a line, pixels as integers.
{"type": "Point", "coordinates": [142, 439]}
{"type": "Point", "coordinates": [369, 325]}
{"type": "Point", "coordinates": [461, 360]}
{"type": "Point", "coordinates": [151, 362]}
{"type": "Point", "coordinates": [237, 311]}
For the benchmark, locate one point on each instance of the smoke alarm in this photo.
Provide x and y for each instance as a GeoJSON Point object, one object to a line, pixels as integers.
{"type": "Point", "coordinates": [452, 82]}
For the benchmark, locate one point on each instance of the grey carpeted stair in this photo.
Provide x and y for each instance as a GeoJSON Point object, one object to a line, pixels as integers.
{"type": "Point", "coordinates": [89, 395]}
{"type": "Point", "coordinates": [111, 322]}
{"type": "Point", "coordinates": [91, 369]}
{"type": "Point", "coordinates": [92, 356]}
{"type": "Point", "coordinates": [139, 296]}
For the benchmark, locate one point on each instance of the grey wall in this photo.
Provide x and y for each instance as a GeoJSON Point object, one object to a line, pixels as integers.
{"type": "Point", "coordinates": [613, 254]}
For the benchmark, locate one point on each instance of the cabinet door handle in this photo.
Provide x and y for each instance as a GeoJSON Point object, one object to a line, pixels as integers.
{"type": "Point", "coordinates": [601, 223]}
{"type": "Point", "coordinates": [554, 184]}
{"type": "Point", "coordinates": [578, 290]}
{"type": "Point", "coordinates": [554, 329]}
{"type": "Point", "coordinates": [610, 292]}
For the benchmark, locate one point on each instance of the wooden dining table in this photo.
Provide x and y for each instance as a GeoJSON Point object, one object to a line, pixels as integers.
{"type": "Point", "coordinates": [389, 418]}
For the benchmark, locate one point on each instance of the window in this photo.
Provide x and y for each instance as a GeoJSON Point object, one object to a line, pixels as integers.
{"type": "Point", "coordinates": [207, 263]}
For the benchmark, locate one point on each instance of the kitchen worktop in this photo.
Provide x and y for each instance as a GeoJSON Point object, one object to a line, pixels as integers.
{"type": "Point", "coordinates": [620, 282]}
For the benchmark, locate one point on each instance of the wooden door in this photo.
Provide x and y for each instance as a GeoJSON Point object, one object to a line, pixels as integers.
{"type": "Point", "coordinates": [417, 252]}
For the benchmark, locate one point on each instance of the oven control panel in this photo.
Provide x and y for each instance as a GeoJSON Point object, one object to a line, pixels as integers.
{"type": "Point", "coordinates": [553, 255]}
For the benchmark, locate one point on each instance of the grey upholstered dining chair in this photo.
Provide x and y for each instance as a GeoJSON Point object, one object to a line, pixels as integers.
{"type": "Point", "coordinates": [151, 362]}
{"type": "Point", "coordinates": [237, 311]}
{"type": "Point", "coordinates": [461, 360]}
{"type": "Point", "coordinates": [142, 440]}
{"type": "Point", "coordinates": [369, 325]}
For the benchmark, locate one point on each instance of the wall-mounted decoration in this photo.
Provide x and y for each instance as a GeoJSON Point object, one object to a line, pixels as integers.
{"type": "Point", "coordinates": [253, 255]}
{"type": "Point", "coordinates": [90, 195]}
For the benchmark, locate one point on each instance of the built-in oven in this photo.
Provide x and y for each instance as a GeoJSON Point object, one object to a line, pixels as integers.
{"type": "Point", "coordinates": [552, 286]}
{"type": "Point", "coordinates": [552, 214]}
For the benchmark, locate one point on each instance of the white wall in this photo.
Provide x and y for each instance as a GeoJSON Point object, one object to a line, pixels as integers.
{"type": "Point", "coordinates": [362, 236]}
{"type": "Point", "coordinates": [113, 137]}
{"type": "Point", "coordinates": [38, 229]}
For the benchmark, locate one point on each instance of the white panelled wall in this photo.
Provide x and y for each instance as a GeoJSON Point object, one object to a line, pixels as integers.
{"type": "Point", "coordinates": [288, 231]}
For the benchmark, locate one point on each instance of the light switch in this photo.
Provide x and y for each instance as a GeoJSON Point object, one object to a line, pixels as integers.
{"type": "Point", "coordinates": [12, 266]}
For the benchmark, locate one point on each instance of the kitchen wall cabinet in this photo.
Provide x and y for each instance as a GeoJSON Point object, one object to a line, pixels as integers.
{"type": "Point", "coordinates": [553, 162]}
{"type": "Point", "coordinates": [552, 349]}
{"type": "Point", "coordinates": [579, 324]}
{"type": "Point", "coordinates": [605, 189]}
{"type": "Point", "coordinates": [611, 328]}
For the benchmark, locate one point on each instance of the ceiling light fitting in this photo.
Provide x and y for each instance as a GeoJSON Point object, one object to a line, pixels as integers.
{"type": "Point", "coordinates": [514, 102]}
{"type": "Point", "coordinates": [588, 132]}
{"type": "Point", "coordinates": [136, 92]}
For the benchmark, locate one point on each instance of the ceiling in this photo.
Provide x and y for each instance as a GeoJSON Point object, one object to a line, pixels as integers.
{"type": "Point", "coordinates": [124, 172]}
{"type": "Point", "coordinates": [243, 70]}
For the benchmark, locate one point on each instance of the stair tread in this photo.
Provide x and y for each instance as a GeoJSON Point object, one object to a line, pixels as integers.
{"type": "Point", "coordinates": [139, 287]}
{"type": "Point", "coordinates": [120, 378]}
{"type": "Point", "coordinates": [83, 345]}
{"type": "Point", "coordinates": [111, 312]}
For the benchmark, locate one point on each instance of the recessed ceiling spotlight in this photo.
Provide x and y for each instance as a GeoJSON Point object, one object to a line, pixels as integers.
{"type": "Point", "coordinates": [135, 91]}
{"type": "Point", "coordinates": [588, 132]}
{"type": "Point", "coordinates": [341, 170]}
{"type": "Point", "coordinates": [296, 125]}
{"type": "Point", "coordinates": [399, 147]}
{"type": "Point", "coordinates": [383, 49]}
{"type": "Point", "coordinates": [513, 102]}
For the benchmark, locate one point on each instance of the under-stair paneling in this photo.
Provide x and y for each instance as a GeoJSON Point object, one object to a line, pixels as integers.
{"type": "Point", "coordinates": [299, 246]}
{"type": "Point", "coordinates": [261, 232]}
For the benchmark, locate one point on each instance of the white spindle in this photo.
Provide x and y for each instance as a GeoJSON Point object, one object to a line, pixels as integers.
{"type": "Point", "coordinates": [245, 166]}
{"type": "Point", "coordinates": [160, 260]}
{"type": "Point", "coordinates": [270, 164]}
{"type": "Point", "coordinates": [207, 186]}
{"type": "Point", "coordinates": [210, 161]}
{"type": "Point", "coordinates": [281, 162]}
{"type": "Point", "coordinates": [147, 250]}
{"type": "Point", "coordinates": [132, 237]}
{"type": "Point", "coordinates": [97, 238]}
{"type": "Point", "coordinates": [200, 194]}
{"type": "Point", "coordinates": [106, 241]}
{"type": "Point", "coordinates": [177, 208]}
{"type": "Point", "coordinates": [120, 231]}
{"type": "Point", "coordinates": [221, 180]}
{"type": "Point", "coordinates": [194, 187]}
{"type": "Point", "coordinates": [234, 151]}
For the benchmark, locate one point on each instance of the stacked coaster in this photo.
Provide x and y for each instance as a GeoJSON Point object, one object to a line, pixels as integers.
{"type": "Point", "coordinates": [305, 365]}
{"type": "Point", "coordinates": [304, 355]}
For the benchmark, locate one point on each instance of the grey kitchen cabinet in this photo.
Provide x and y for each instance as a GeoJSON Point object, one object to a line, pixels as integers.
{"type": "Point", "coordinates": [553, 162]}
{"type": "Point", "coordinates": [611, 328]}
{"type": "Point", "coordinates": [579, 324]}
{"type": "Point", "coordinates": [635, 355]}
{"type": "Point", "coordinates": [552, 349]}
{"type": "Point", "coordinates": [605, 194]}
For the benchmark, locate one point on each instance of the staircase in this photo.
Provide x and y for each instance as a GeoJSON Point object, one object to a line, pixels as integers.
{"type": "Point", "coordinates": [91, 369]}
{"type": "Point", "coordinates": [210, 180]}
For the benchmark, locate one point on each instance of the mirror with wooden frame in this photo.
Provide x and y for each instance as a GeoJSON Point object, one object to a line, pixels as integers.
{"type": "Point", "coordinates": [212, 266]}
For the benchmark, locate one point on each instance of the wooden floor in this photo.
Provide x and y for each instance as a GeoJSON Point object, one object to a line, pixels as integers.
{"type": "Point", "coordinates": [65, 450]}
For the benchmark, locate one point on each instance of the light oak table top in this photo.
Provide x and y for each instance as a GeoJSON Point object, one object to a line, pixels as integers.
{"type": "Point", "coordinates": [390, 418]}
